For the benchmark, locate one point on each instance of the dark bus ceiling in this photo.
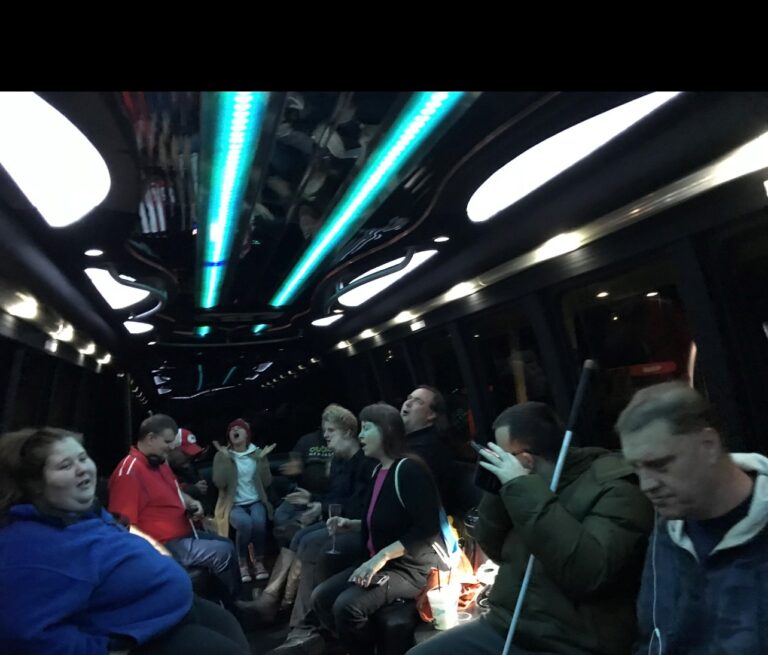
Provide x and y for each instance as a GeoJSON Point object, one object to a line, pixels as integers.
{"type": "Point", "coordinates": [315, 143]}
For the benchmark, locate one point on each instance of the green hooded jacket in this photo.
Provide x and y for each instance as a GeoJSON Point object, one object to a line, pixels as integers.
{"type": "Point", "coordinates": [589, 542]}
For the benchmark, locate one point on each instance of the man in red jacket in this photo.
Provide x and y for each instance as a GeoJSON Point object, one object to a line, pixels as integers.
{"type": "Point", "coordinates": [144, 491]}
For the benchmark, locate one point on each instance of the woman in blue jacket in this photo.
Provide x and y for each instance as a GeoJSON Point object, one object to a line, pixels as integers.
{"type": "Point", "coordinates": [76, 582]}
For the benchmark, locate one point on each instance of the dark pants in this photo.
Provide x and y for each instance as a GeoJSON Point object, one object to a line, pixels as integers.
{"type": "Point", "coordinates": [206, 630]}
{"type": "Point", "coordinates": [286, 522]}
{"type": "Point", "coordinates": [478, 637]}
{"type": "Point", "coordinates": [212, 552]}
{"type": "Point", "coordinates": [307, 532]}
{"type": "Point", "coordinates": [345, 608]}
{"type": "Point", "coordinates": [317, 565]}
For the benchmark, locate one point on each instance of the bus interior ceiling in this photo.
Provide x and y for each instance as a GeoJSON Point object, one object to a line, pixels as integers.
{"type": "Point", "coordinates": [218, 245]}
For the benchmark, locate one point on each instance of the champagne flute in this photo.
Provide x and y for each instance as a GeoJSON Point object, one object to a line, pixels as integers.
{"type": "Point", "coordinates": [334, 509]}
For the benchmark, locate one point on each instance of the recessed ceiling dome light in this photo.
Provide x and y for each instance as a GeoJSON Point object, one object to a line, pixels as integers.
{"type": "Point", "coordinates": [118, 295]}
{"type": "Point", "coordinates": [327, 320]}
{"type": "Point", "coordinates": [136, 327]}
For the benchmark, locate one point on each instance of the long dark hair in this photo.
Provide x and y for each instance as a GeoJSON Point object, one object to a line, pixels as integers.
{"type": "Point", "coordinates": [390, 424]}
{"type": "Point", "coordinates": [22, 459]}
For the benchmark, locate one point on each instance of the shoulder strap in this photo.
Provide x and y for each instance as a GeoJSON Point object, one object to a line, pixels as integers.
{"type": "Point", "coordinates": [397, 482]}
{"type": "Point", "coordinates": [451, 543]}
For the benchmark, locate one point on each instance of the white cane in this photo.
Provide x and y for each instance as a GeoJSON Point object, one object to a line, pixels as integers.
{"type": "Point", "coordinates": [589, 366]}
{"type": "Point", "coordinates": [184, 505]}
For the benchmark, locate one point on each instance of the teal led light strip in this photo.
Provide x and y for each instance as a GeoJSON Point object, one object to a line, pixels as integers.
{"type": "Point", "coordinates": [238, 125]}
{"type": "Point", "coordinates": [229, 375]}
{"type": "Point", "coordinates": [424, 112]}
{"type": "Point", "coordinates": [259, 328]}
{"type": "Point", "coordinates": [203, 330]}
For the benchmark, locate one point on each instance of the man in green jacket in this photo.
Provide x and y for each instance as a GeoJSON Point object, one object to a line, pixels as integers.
{"type": "Point", "coordinates": [588, 540]}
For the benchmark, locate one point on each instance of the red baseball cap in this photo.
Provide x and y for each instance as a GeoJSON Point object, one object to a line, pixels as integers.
{"type": "Point", "coordinates": [189, 443]}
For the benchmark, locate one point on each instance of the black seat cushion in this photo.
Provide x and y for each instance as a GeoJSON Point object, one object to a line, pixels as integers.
{"type": "Point", "coordinates": [394, 625]}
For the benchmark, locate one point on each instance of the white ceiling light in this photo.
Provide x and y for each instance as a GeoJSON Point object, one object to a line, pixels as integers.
{"type": "Point", "coordinates": [545, 160]}
{"type": "Point", "coordinates": [358, 296]}
{"type": "Point", "coordinates": [460, 290]}
{"type": "Point", "coordinates": [116, 294]}
{"type": "Point", "coordinates": [442, 239]}
{"type": "Point", "coordinates": [94, 252]}
{"type": "Point", "coordinates": [89, 349]}
{"type": "Point", "coordinates": [136, 327]}
{"type": "Point", "coordinates": [127, 278]}
{"type": "Point", "coordinates": [652, 294]}
{"type": "Point", "coordinates": [417, 325]}
{"type": "Point", "coordinates": [367, 334]}
{"type": "Point", "coordinates": [602, 294]}
{"type": "Point", "coordinates": [51, 345]}
{"type": "Point", "coordinates": [341, 345]}
{"type": "Point", "coordinates": [105, 360]}
{"type": "Point", "coordinates": [152, 343]}
{"type": "Point", "coordinates": [327, 320]}
{"type": "Point", "coordinates": [404, 317]}
{"type": "Point", "coordinates": [558, 245]}
{"type": "Point", "coordinates": [25, 306]}
{"type": "Point", "coordinates": [63, 332]}
{"type": "Point", "coordinates": [53, 163]}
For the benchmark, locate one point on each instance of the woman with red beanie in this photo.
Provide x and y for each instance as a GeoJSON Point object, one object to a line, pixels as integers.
{"type": "Point", "coordinates": [241, 473]}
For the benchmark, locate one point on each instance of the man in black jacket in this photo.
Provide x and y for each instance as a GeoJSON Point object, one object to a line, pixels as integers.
{"type": "Point", "coordinates": [182, 463]}
{"type": "Point", "coordinates": [311, 471]}
{"type": "Point", "coordinates": [424, 416]}
{"type": "Point", "coordinates": [349, 482]}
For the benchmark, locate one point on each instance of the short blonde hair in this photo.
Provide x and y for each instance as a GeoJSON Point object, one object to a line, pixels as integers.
{"type": "Point", "coordinates": [341, 417]}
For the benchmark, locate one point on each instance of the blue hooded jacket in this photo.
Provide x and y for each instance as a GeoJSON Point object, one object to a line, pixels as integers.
{"type": "Point", "coordinates": [718, 606]}
{"type": "Point", "coordinates": [70, 584]}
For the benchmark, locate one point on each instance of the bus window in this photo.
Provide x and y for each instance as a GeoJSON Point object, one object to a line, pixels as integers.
{"type": "Point", "coordinates": [393, 373]}
{"type": "Point", "coordinates": [636, 328]}
{"type": "Point", "coordinates": [437, 365]}
{"type": "Point", "coordinates": [510, 356]}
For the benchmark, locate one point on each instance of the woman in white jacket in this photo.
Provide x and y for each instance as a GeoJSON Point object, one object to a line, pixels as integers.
{"type": "Point", "coordinates": [241, 473]}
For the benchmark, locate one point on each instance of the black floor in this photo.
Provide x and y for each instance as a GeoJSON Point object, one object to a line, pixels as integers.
{"type": "Point", "coordinates": [265, 639]}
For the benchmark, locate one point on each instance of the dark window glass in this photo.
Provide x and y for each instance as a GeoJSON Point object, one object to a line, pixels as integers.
{"type": "Point", "coordinates": [635, 327]}
{"type": "Point", "coordinates": [509, 357]}
{"type": "Point", "coordinates": [393, 373]}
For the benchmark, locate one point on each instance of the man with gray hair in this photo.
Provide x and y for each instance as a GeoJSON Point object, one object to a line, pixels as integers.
{"type": "Point", "coordinates": [706, 573]}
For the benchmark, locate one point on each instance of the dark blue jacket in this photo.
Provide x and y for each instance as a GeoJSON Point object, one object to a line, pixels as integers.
{"type": "Point", "coordinates": [69, 584]}
{"type": "Point", "coordinates": [718, 606]}
{"type": "Point", "coordinates": [348, 485]}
